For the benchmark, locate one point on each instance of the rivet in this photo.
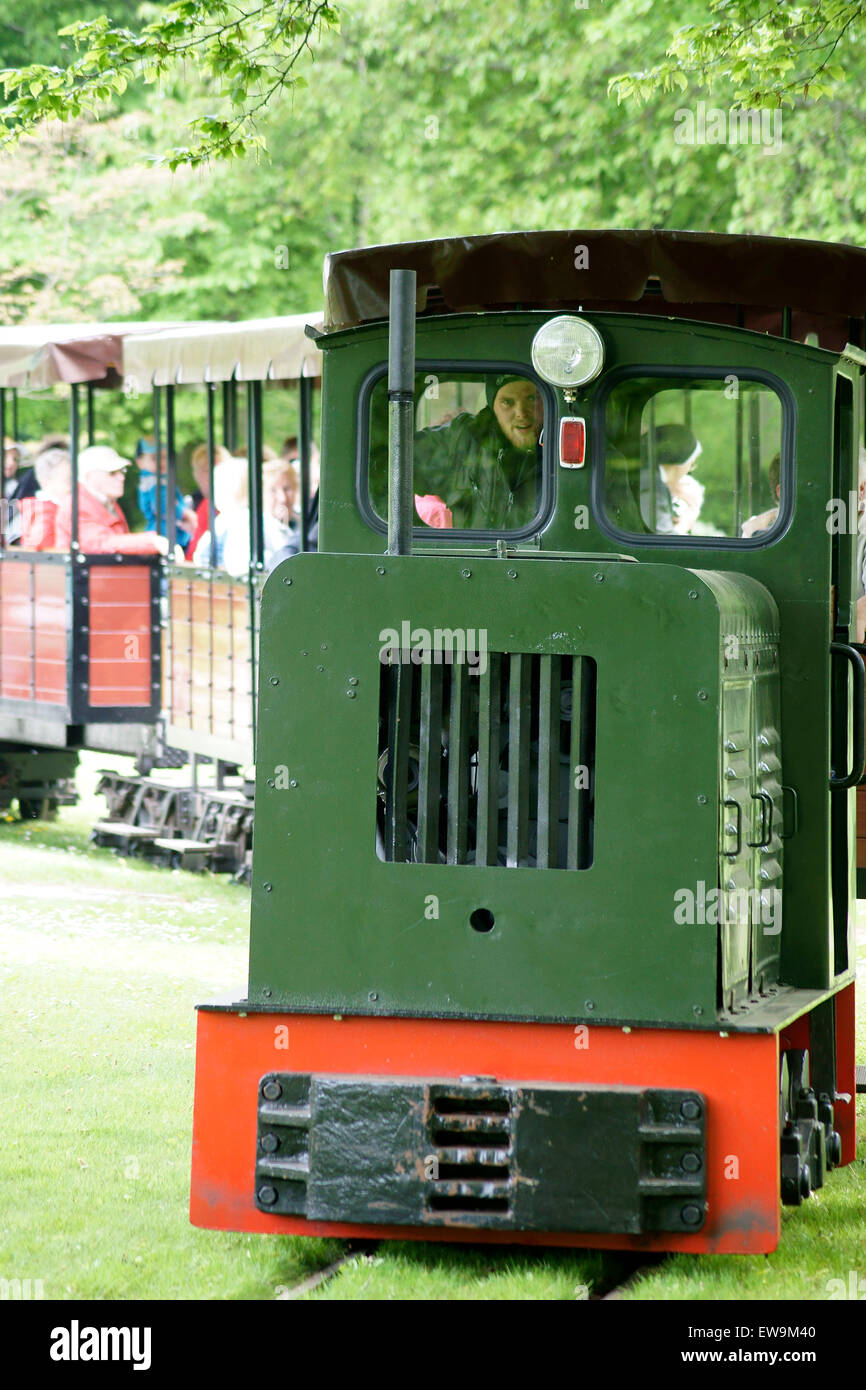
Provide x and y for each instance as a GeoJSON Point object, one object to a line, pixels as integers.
{"type": "Point", "coordinates": [690, 1110]}
{"type": "Point", "coordinates": [467, 574]}
{"type": "Point", "coordinates": [272, 1090]}
{"type": "Point", "coordinates": [380, 569]}
{"type": "Point", "coordinates": [512, 574]}
{"type": "Point", "coordinates": [691, 1215]}
{"type": "Point", "coordinates": [626, 1029]}
{"type": "Point", "coordinates": [697, 1010]}
{"type": "Point", "coordinates": [693, 593]}
{"type": "Point", "coordinates": [703, 695]}
{"type": "Point", "coordinates": [599, 578]}
{"type": "Point", "coordinates": [353, 680]}
{"type": "Point", "coordinates": [269, 888]}
{"type": "Point", "coordinates": [350, 694]}
{"type": "Point", "coordinates": [320, 668]}
{"type": "Point", "coordinates": [324, 647]}
{"type": "Point", "coordinates": [271, 782]}
{"type": "Point", "coordinates": [275, 680]}
{"type": "Point", "coordinates": [270, 1143]}
{"type": "Point", "coordinates": [589, 1005]}
{"type": "Point", "coordinates": [702, 800]}
{"type": "Point", "coordinates": [690, 1163]}
{"type": "Point", "coordinates": [267, 1196]}
{"type": "Point", "coordinates": [293, 782]}
{"type": "Point", "coordinates": [287, 581]}
{"type": "Point", "coordinates": [373, 996]}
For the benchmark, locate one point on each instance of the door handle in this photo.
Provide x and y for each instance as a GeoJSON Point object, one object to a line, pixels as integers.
{"type": "Point", "coordinates": [858, 760]}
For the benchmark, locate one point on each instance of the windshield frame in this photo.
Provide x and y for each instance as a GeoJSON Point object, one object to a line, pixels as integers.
{"type": "Point", "coordinates": [478, 367]}
{"type": "Point", "coordinates": [659, 371]}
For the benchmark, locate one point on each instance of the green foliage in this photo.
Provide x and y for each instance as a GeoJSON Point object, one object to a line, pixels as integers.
{"type": "Point", "coordinates": [413, 121]}
{"type": "Point", "coordinates": [767, 52]}
{"type": "Point", "coordinates": [247, 55]}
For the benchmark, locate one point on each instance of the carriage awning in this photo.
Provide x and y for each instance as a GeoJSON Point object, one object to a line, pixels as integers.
{"type": "Point", "coordinates": [39, 355]}
{"type": "Point", "coordinates": [609, 269]}
{"type": "Point", "coordinates": [275, 349]}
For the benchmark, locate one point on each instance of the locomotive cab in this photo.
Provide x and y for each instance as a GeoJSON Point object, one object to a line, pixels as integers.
{"type": "Point", "coordinates": [553, 878]}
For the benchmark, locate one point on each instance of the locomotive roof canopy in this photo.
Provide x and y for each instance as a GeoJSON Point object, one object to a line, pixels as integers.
{"type": "Point", "coordinates": [276, 349]}
{"type": "Point", "coordinates": [694, 272]}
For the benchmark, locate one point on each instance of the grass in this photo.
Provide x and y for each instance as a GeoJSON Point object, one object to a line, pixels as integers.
{"type": "Point", "coordinates": [102, 963]}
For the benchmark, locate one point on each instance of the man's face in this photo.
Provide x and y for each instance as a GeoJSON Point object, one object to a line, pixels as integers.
{"type": "Point", "coordinates": [106, 484]}
{"type": "Point", "coordinates": [519, 411]}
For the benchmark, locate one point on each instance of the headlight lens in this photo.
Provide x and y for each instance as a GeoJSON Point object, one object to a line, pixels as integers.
{"type": "Point", "coordinates": [567, 351]}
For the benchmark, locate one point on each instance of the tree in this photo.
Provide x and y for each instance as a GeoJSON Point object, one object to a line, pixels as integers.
{"type": "Point", "coordinates": [768, 52]}
{"type": "Point", "coordinates": [247, 54]}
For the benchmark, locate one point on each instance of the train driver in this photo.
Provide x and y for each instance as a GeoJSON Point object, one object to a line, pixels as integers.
{"type": "Point", "coordinates": [483, 472]}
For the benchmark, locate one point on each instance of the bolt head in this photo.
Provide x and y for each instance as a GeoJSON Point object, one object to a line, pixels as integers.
{"type": "Point", "coordinates": [270, 1143]}
{"type": "Point", "coordinates": [272, 1090]}
{"type": "Point", "coordinates": [691, 1215]}
{"type": "Point", "coordinates": [691, 1163]}
{"type": "Point", "coordinates": [267, 1196]}
{"type": "Point", "coordinates": [690, 1110]}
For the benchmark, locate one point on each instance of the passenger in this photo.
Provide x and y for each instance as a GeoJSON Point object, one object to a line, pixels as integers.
{"type": "Point", "coordinates": [102, 527]}
{"type": "Point", "coordinates": [860, 622]}
{"type": "Point", "coordinates": [280, 489]}
{"type": "Point", "coordinates": [185, 517]}
{"type": "Point", "coordinates": [28, 482]}
{"type": "Point", "coordinates": [232, 528]}
{"type": "Point", "coordinates": [11, 464]}
{"type": "Point", "coordinates": [757, 525]}
{"type": "Point", "coordinates": [201, 473]}
{"type": "Point", "coordinates": [39, 514]}
{"type": "Point", "coordinates": [292, 453]}
{"type": "Point", "coordinates": [677, 450]}
{"type": "Point", "coordinates": [483, 471]}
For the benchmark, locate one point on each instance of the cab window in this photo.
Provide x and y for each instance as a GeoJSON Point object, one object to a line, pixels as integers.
{"type": "Point", "coordinates": [693, 457]}
{"type": "Point", "coordinates": [478, 450]}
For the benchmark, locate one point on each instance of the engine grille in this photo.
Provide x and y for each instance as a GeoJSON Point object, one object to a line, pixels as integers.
{"type": "Point", "coordinates": [490, 768]}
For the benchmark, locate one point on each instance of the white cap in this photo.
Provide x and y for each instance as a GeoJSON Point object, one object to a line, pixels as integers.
{"type": "Point", "coordinates": [100, 457]}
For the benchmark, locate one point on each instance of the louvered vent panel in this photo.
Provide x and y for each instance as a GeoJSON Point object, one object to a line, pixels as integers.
{"type": "Point", "coordinates": [490, 768]}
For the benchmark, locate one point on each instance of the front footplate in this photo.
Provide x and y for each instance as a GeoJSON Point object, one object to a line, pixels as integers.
{"type": "Point", "coordinates": [479, 1153]}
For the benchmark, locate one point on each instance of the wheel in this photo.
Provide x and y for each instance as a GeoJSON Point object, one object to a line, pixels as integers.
{"type": "Point", "coordinates": [41, 808]}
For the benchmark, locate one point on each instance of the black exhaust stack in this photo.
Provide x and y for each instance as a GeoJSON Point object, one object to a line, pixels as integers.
{"type": "Point", "coordinates": [401, 410]}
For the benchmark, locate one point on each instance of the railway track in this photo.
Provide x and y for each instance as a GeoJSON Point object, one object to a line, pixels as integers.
{"type": "Point", "coordinates": [621, 1272]}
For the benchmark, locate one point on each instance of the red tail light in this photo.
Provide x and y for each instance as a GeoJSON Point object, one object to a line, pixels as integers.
{"type": "Point", "coordinates": [572, 441]}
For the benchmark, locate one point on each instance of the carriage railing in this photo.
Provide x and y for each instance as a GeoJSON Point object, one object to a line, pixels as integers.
{"type": "Point", "coordinates": [210, 663]}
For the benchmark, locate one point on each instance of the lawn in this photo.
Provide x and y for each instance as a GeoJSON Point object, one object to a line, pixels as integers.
{"type": "Point", "coordinates": [102, 963]}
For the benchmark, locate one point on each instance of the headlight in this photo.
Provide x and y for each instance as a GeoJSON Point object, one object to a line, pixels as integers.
{"type": "Point", "coordinates": [567, 351]}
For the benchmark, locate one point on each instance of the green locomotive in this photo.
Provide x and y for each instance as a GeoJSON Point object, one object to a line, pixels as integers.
{"type": "Point", "coordinates": [571, 682]}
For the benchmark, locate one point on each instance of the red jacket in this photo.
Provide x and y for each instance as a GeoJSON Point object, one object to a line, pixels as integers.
{"type": "Point", "coordinates": [38, 523]}
{"type": "Point", "coordinates": [101, 530]}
